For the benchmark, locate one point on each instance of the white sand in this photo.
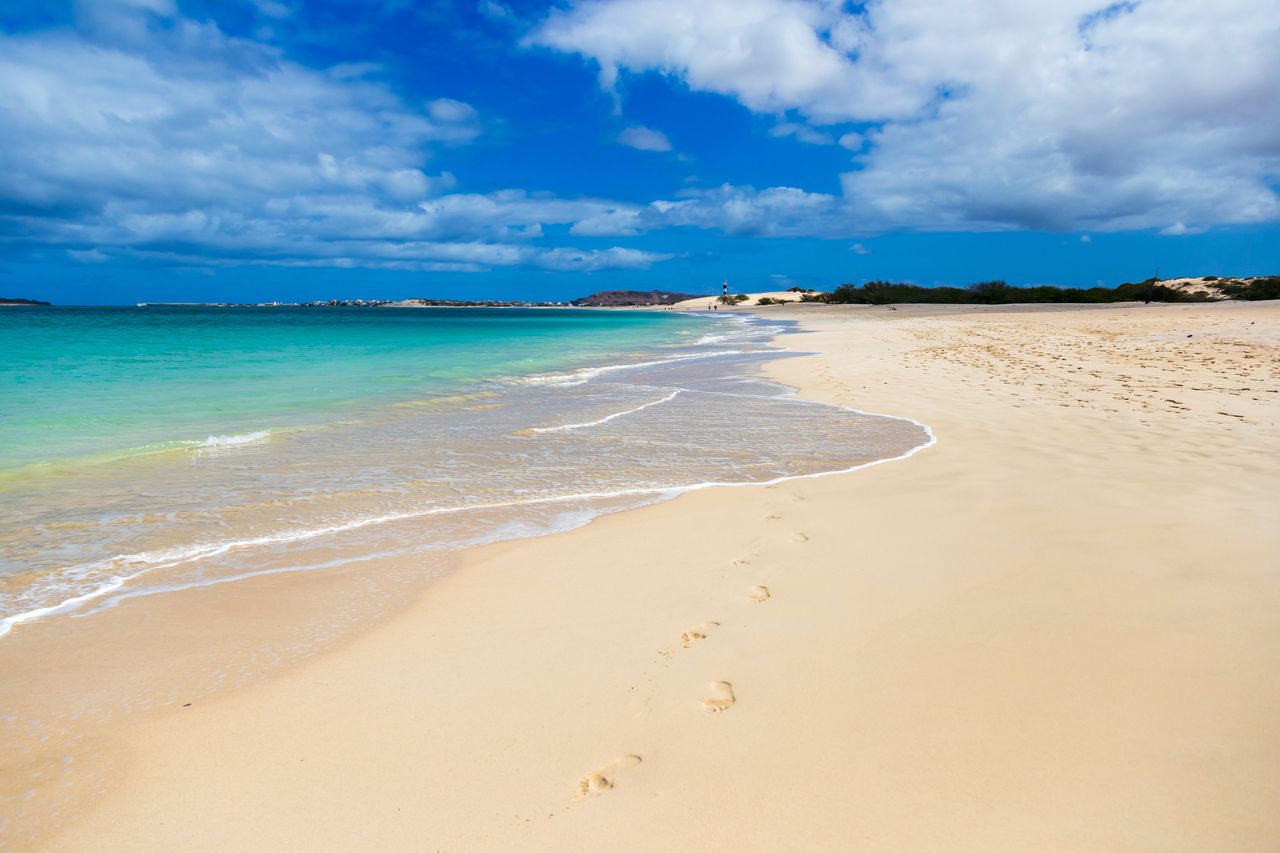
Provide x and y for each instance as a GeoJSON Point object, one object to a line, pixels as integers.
{"type": "Point", "coordinates": [1058, 629]}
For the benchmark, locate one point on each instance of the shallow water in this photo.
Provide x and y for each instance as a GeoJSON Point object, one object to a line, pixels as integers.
{"type": "Point", "coordinates": [382, 442]}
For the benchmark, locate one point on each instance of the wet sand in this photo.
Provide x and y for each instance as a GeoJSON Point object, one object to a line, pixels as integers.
{"type": "Point", "coordinates": [1058, 628]}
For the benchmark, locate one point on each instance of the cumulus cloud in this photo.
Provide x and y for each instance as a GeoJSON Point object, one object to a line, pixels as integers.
{"type": "Point", "coordinates": [739, 210]}
{"type": "Point", "coordinates": [772, 55]}
{"type": "Point", "coordinates": [988, 115]}
{"type": "Point", "coordinates": [644, 139]}
{"type": "Point", "coordinates": [859, 249]}
{"type": "Point", "coordinates": [145, 134]}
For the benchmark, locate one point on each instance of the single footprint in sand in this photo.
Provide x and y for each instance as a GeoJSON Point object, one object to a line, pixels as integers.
{"type": "Point", "coordinates": [601, 780]}
{"type": "Point", "coordinates": [759, 593]}
{"type": "Point", "coordinates": [721, 698]}
{"type": "Point", "coordinates": [693, 635]}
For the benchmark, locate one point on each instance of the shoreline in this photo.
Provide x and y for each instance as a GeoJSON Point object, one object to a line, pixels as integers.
{"type": "Point", "coordinates": [110, 590]}
{"type": "Point", "coordinates": [168, 635]}
{"type": "Point", "coordinates": [862, 698]}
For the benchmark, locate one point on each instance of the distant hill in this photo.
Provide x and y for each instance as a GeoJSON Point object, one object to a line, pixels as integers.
{"type": "Point", "coordinates": [7, 300]}
{"type": "Point", "coordinates": [619, 298]}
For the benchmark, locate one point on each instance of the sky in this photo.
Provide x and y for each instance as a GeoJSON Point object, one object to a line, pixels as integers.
{"type": "Point", "coordinates": [253, 150]}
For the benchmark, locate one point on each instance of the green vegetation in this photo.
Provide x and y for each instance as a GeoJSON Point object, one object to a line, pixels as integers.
{"type": "Point", "coordinates": [732, 299]}
{"type": "Point", "coordinates": [769, 300]}
{"type": "Point", "coordinates": [1258, 288]}
{"type": "Point", "coordinates": [999, 293]}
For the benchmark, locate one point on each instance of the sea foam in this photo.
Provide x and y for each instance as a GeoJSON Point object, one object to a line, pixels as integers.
{"type": "Point", "coordinates": [235, 440]}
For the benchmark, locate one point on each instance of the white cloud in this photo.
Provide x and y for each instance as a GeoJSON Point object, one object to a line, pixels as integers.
{"type": "Point", "coordinates": [644, 138]}
{"type": "Point", "coordinates": [1180, 229]}
{"type": "Point", "coordinates": [1085, 238]}
{"type": "Point", "coordinates": [772, 55]}
{"type": "Point", "coordinates": [852, 141]}
{"type": "Point", "coordinates": [495, 11]}
{"type": "Point", "coordinates": [774, 212]}
{"type": "Point", "coordinates": [273, 9]}
{"type": "Point", "coordinates": [611, 221]}
{"type": "Point", "coordinates": [802, 133]}
{"type": "Point", "coordinates": [158, 139]}
{"type": "Point", "coordinates": [419, 257]}
{"type": "Point", "coordinates": [988, 115]}
{"type": "Point", "coordinates": [859, 249]}
{"type": "Point", "coordinates": [451, 113]}
{"type": "Point", "coordinates": [82, 124]}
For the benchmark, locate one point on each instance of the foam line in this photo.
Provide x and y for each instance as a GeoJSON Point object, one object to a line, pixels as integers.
{"type": "Point", "coordinates": [578, 377]}
{"type": "Point", "coordinates": [608, 418]}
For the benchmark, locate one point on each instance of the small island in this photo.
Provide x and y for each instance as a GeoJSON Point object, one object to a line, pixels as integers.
{"type": "Point", "coordinates": [15, 302]}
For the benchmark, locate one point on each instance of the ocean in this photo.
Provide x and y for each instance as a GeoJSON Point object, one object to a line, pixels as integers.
{"type": "Point", "coordinates": [149, 450]}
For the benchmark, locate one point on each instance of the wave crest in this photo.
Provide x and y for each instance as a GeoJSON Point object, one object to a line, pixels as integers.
{"type": "Point", "coordinates": [235, 440]}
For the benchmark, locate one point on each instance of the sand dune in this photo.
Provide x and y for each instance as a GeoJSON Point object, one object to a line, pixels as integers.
{"type": "Point", "coordinates": [704, 302]}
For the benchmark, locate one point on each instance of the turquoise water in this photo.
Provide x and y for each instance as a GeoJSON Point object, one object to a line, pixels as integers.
{"type": "Point", "coordinates": [146, 451]}
{"type": "Point", "coordinates": [92, 383]}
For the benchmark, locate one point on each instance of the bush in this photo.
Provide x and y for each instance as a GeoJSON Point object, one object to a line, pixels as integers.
{"type": "Point", "coordinates": [996, 292]}
{"type": "Point", "coordinates": [769, 300]}
{"type": "Point", "coordinates": [992, 292]}
{"type": "Point", "coordinates": [1259, 288]}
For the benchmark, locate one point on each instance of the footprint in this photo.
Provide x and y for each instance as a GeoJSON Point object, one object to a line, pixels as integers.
{"type": "Point", "coordinates": [742, 562]}
{"type": "Point", "coordinates": [800, 537]}
{"type": "Point", "coordinates": [721, 698]}
{"type": "Point", "coordinates": [759, 593]}
{"type": "Point", "coordinates": [601, 780]}
{"type": "Point", "coordinates": [693, 635]}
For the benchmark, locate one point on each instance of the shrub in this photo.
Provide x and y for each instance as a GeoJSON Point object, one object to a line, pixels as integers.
{"type": "Point", "coordinates": [1258, 288]}
{"type": "Point", "coordinates": [992, 292]}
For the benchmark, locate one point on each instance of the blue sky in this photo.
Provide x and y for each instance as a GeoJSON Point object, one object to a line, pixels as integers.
{"type": "Point", "coordinates": [274, 149]}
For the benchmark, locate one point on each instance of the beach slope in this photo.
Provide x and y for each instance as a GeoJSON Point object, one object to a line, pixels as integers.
{"type": "Point", "coordinates": [1058, 629]}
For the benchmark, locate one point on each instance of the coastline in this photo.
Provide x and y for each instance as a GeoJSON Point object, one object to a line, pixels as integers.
{"type": "Point", "coordinates": [1056, 629]}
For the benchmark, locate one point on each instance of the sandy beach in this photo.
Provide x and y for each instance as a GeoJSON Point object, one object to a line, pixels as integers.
{"type": "Point", "coordinates": [1057, 629]}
